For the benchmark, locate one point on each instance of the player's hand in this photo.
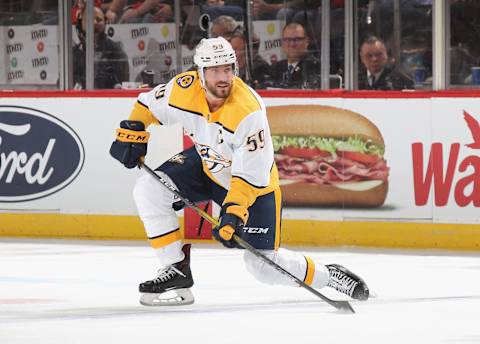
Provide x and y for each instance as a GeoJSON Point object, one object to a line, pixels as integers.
{"type": "Point", "coordinates": [131, 144]}
{"type": "Point", "coordinates": [232, 219]}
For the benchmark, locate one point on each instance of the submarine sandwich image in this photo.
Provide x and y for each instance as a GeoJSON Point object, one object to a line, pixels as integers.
{"type": "Point", "coordinates": [328, 156]}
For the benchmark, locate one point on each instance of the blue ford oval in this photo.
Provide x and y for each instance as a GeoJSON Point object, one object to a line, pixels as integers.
{"type": "Point", "coordinates": [39, 154]}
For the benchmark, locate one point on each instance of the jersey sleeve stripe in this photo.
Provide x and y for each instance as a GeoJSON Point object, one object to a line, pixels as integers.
{"type": "Point", "coordinates": [140, 112]}
{"type": "Point", "coordinates": [224, 127]}
{"type": "Point", "coordinates": [186, 110]}
{"type": "Point", "coordinates": [139, 102]}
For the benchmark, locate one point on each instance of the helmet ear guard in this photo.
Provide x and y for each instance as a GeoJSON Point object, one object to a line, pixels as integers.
{"type": "Point", "coordinates": [212, 52]}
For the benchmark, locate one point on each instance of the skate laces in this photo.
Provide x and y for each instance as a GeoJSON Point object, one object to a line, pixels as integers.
{"type": "Point", "coordinates": [167, 274]}
{"type": "Point", "coordinates": [342, 282]}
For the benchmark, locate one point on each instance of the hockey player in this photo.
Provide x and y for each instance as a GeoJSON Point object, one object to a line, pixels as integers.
{"type": "Point", "coordinates": [231, 163]}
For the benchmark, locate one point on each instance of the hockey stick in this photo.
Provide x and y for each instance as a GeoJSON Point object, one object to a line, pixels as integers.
{"type": "Point", "coordinates": [202, 220]}
{"type": "Point", "coordinates": [340, 305]}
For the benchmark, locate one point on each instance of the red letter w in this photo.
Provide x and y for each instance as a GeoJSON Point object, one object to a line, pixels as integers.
{"type": "Point", "coordinates": [435, 168]}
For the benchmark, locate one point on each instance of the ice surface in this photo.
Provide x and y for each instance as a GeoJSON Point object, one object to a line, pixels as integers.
{"type": "Point", "coordinates": [58, 291]}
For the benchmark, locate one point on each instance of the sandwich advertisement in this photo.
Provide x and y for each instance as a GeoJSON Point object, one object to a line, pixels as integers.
{"type": "Point", "coordinates": [328, 156]}
{"type": "Point", "coordinates": [378, 159]}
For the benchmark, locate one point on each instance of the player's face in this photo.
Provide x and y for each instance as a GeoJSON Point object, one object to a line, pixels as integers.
{"type": "Point", "coordinates": [219, 80]}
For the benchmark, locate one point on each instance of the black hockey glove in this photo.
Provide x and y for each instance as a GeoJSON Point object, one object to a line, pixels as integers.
{"type": "Point", "coordinates": [131, 143]}
{"type": "Point", "coordinates": [232, 219]}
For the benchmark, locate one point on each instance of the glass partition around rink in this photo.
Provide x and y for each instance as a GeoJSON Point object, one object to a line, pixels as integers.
{"type": "Point", "coordinates": [110, 60]}
{"type": "Point", "coordinates": [29, 56]}
{"type": "Point", "coordinates": [280, 44]}
{"type": "Point", "coordinates": [464, 46]}
{"type": "Point", "coordinates": [395, 44]}
{"type": "Point", "coordinates": [289, 43]}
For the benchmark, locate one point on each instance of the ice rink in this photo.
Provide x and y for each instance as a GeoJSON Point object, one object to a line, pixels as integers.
{"type": "Point", "coordinates": [59, 291]}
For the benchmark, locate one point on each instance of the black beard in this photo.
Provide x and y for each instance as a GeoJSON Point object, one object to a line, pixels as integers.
{"type": "Point", "coordinates": [219, 93]}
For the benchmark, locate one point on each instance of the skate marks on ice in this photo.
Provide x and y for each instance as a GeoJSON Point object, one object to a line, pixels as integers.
{"type": "Point", "coordinates": [111, 312]}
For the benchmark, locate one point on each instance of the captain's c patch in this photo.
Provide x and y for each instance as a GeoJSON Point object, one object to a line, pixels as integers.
{"type": "Point", "coordinates": [185, 81]}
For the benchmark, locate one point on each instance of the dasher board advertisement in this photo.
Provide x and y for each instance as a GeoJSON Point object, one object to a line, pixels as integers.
{"type": "Point", "coordinates": [421, 154]}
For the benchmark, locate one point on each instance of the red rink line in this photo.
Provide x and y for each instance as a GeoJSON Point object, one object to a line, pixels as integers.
{"type": "Point", "coordinates": [339, 93]}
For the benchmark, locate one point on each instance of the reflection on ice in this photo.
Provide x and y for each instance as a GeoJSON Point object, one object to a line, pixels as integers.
{"type": "Point", "coordinates": [51, 289]}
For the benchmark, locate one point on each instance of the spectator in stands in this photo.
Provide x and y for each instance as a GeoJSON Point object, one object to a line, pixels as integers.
{"type": "Point", "coordinates": [224, 26]}
{"type": "Point", "coordinates": [304, 12]}
{"type": "Point", "coordinates": [128, 11]}
{"type": "Point", "coordinates": [378, 72]}
{"type": "Point", "coordinates": [114, 11]}
{"type": "Point", "coordinates": [148, 11]}
{"type": "Point", "coordinates": [214, 2]}
{"type": "Point", "coordinates": [216, 8]}
{"type": "Point", "coordinates": [79, 6]}
{"type": "Point", "coordinates": [161, 12]}
{"type": "Point", "coordinates": [286, 10]}
{"type": "Point", "coordinates": [253, 73]}
{"type": "Point", "coordinates": [267, 9]}
{"type": "Point", "coordinates": [300, 69]}
{"type": "Point", "coordinates": [111, 63]}
{"type": "Point", "coordinates": [464, 38]}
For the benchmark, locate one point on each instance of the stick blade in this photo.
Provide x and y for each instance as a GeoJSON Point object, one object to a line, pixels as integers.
{"type": "Point", "coordinates": [344, 306]}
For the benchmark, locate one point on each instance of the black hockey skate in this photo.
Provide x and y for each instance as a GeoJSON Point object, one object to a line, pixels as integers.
{"type": "Point", "coordinates": [171, 286]}
{"type": "Point", "coordinates": [345, 281]}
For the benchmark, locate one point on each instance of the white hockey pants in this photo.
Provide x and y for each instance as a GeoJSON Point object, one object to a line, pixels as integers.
{"type": "Point", "coordinates": [154, 204]}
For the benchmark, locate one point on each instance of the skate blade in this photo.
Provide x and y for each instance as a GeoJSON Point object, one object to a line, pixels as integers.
{"type": "Point", "coordinates": [177, 297]}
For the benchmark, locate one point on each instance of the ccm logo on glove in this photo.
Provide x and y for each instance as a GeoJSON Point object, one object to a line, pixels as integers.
{"type": "Point", "coordinates": [125, 135]}
{"type": "Point", "coordinates": [130, 145]}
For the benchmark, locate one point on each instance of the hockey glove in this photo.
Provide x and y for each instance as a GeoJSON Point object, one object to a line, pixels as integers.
{"type": "Point", "coordinates": [131, 143]}
{"type": "Point", "coordinates": [232, 219]}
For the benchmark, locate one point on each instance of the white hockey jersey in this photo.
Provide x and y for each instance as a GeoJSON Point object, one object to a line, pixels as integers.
{"type": "Point", "coordinates": [233, 142]}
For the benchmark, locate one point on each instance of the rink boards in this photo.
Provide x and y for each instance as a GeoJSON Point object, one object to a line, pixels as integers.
{"type": "Point", "coordinates": [58, 180]}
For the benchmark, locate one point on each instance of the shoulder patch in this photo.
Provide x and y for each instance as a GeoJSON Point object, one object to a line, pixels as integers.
{"type": "Point", "coordinates": [185, 81]}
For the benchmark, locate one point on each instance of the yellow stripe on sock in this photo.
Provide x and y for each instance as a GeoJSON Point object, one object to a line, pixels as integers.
{"type": "Point", "coordinates": [278, 210]}
{"type": "Point", "coordinates": [310, 271]}
{"type": "Point", "coordinates": [166, 239]}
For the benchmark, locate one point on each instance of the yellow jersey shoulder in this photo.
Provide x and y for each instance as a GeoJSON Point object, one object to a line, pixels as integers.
{"type": "Point", "coordinates": [187, 94]}
{"type": "Point", "coordinates": [241, 103]}
{"type": "Point", "coordinates": [186, 90]}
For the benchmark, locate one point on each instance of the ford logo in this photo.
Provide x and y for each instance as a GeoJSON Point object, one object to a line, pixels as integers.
{"type": "Point", "coordinates": [39, 154]}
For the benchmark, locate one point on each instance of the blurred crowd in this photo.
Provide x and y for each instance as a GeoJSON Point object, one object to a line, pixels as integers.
{"type": "Point", "coordinates": [394, 44]}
